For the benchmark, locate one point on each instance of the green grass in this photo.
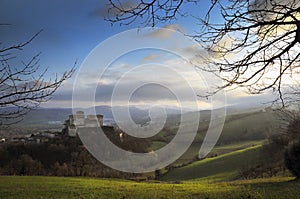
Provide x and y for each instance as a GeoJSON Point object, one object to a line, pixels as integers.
{"type": "Point", "coordinates": [220, 168]}
{"type": "Point", "coordinates": [59, 187]}
{"type": "Point", "coordinates": [219, 150]}
{"type": "Point", "coordinates": [55, 187]}
{"type": "Point", "coordinates": [240, 131]}
{"type": "Point", "coordinates": [276, 187]}
{"type": "Point", "coordinates": [193, 150]}
{"type": "Point", "coordinates": [155, 145]}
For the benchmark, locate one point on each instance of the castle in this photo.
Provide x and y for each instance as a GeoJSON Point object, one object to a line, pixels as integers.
{"type": "Point", "coordinates": [80, 121]}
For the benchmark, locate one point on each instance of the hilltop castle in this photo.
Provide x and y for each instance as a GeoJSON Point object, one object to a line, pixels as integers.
{"type": "Point", "coordinates": [80, 121]}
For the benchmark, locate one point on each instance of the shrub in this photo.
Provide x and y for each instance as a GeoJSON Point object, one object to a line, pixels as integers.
{"type": "Point", "coordinates": [292, 159]}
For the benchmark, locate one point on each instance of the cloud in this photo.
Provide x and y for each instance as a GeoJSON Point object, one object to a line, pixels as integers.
{"type": "Point", "coordinates": [262, 10]}
{"type": "Point", "coordinates": [196, 54]}
{"type": "Point", "coordinates": [163, 33]}
{"type": "Point", "coordinates": [193, 49]}
{"type": "Point", "coordinates": [275, 6]}
{"type": "Point", "coordinates": [242, 97]}
{"type": "Point", "coordinates": [220, 49]}
{"type": "Point", "coordinates": [155, 94]}
{"type": "Point", "coordinates": [177, 76]}
{"type": "Point", "coordinates": [172, 82]}
{"type": "Point", "coordinates": [149, 57]}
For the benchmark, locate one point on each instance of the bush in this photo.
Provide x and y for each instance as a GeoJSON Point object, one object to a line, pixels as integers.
{"type": "Point", "coordinates": [292, 159]}
{"type": "Point", "coordinates": [24, 165]}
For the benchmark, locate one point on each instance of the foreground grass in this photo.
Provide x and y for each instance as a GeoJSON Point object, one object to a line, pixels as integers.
{"type": "Point", "coordinates": [58, 187]}
{"type": "Point", "coordinates": [55, 187]}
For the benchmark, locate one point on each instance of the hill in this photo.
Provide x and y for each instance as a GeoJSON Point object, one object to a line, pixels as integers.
{"type": "Point", "coordinates": [220, 168]}
{"type": "Point", "coordinates": [247, 127]}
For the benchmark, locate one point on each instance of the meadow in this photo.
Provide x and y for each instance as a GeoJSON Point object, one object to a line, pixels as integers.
{"type": "Point", "coordinates": [74, 187]}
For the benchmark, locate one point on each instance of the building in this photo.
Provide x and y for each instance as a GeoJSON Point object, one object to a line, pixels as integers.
{"type": "Point", "coordinates": [80, 121]}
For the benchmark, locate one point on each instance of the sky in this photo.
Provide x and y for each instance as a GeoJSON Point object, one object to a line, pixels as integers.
{"type": "Point", "coordinates": [75, 30]}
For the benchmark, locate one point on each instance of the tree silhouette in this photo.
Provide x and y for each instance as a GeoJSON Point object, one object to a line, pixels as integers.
{"type": "Point", "coordinates": [150, 12]}
{"type": "Point", "coordinates": [292, 159]}
{"type": "Point", "coordinates": [23, 86]}
{"type": "Point", "coordinates": [254, 44]}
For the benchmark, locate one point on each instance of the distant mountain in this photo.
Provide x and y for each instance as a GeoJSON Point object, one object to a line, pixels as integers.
{"type": "Point", "coordinates": [57, 116]}
{"type": "Point", "coordinates": [46, 117]}
{"type": "Point", "coordinates": [140, 115]}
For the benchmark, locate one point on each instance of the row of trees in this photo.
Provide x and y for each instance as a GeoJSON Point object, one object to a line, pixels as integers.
{"type": "Point", "coordinates": [80, 164]}
{"type": "Point", "coordinates": [67, 157]}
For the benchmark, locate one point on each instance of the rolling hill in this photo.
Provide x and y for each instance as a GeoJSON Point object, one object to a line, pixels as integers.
{"type": "Point", "coordinates": [220, 168]}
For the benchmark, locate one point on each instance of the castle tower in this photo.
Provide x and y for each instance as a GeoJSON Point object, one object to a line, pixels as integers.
{"type": "Point", "coordinates": [79, 118]}
{"type": "Point", "coordinates": [100, 119]}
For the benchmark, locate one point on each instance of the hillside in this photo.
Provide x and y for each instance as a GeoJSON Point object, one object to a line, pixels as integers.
{"type": "Point", "coordinates": [220, 168]}
{"type": "Point", "coordinates": [250, 127]}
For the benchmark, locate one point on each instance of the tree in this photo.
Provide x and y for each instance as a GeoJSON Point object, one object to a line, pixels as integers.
{"type": "Point", "coordinates": [23, 88]}
{"type": "Point", "coordinates": [80, 161]}
{"type": "Point", "coordinates": [61, 169]}
{"type": "Point", "coordinates": [292, 159]}
{"type": "Point", "coordinates": [24, 165]}
{"type": "Point", "coordinates": [282, 150]}
{"type": "Point", "coordinates": [157, 174]}
{"type": "Point", "coordinates": [254, 45]}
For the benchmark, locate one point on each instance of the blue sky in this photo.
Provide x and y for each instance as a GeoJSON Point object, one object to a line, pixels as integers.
{"type": "Point", "coordinates": [72, 29]}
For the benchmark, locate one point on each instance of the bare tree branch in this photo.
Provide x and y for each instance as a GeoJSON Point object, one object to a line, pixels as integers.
{"type": "Point", "coordinates": [261, 38]}
{"type": "Point", "coordinates": [149, 12]}
{"type": "Point", "coordinates": [25, 87]}
{"type": "Point", "coordinates": [253, 44]}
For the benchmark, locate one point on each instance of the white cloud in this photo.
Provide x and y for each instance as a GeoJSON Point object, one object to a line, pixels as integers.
{"type": "Point", "coordinates": [149, 57]}
{"type": "Point", "coordinates": [163, 33]}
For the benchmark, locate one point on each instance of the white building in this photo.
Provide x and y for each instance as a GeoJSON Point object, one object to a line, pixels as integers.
{"type": "Point", "coordinates": [80, 121]}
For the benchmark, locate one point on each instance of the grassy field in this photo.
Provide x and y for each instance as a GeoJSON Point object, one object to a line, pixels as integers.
{"type": "Point", "coordinates": [219, 150]}
{"type": "Point", "coordinates": [193, 151]}
{"type": "Point", "coordinates": [59, 187]}
{"type": "Point", "coordinates": [240, 131]}
{"type": "Point", "coordinates": [220, 168]}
